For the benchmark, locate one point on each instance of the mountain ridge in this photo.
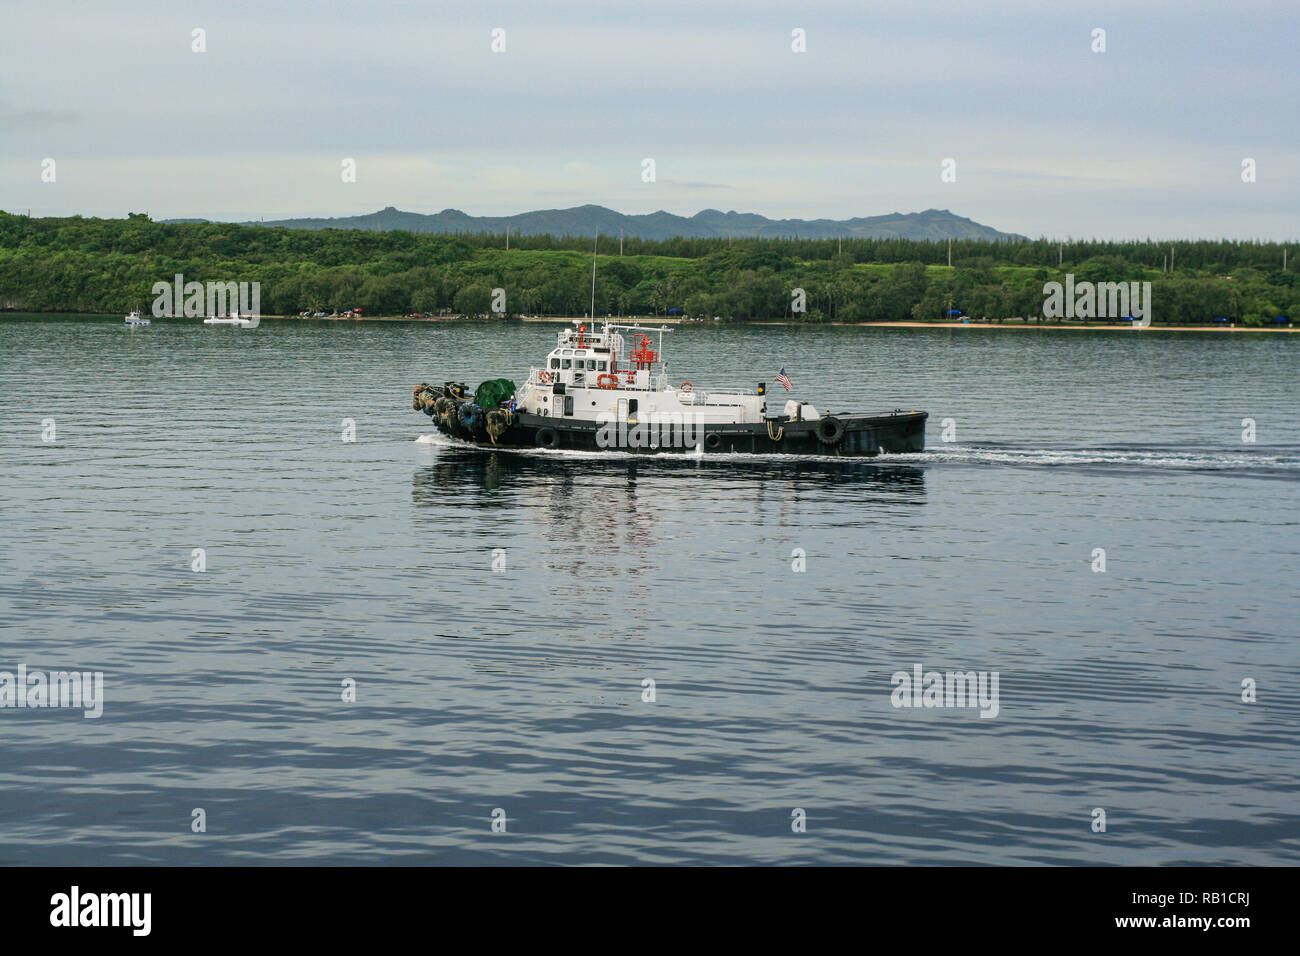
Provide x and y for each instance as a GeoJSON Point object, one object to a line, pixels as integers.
{"type": "Point", "coordinates": [587, 220]}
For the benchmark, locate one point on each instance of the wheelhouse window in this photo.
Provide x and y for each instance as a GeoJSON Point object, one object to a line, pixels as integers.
{"type": "Point", "coordinates": [555, 363]}
{"type": "Point", "coordinates": [567, 363]}
{"type": "Point", "coordinates": [601, 365]}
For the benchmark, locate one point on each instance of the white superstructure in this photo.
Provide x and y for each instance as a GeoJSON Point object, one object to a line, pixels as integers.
{"type": "Point", "coordinates": [600, 378]}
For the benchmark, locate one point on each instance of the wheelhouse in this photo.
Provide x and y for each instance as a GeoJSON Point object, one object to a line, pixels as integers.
{"type": "Point", "coordinates": [591, 374]}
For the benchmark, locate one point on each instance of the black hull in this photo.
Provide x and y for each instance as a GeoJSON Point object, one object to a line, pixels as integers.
{"type": "Point", "coordinates": [858, 436]}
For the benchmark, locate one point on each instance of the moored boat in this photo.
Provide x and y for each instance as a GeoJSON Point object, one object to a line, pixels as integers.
{"type": "Point", "coordinates": [244, 322]}
{"type": "Point", "coordinates": [594, 393]}
{"type": "Point", "coordinates": [135, 318]}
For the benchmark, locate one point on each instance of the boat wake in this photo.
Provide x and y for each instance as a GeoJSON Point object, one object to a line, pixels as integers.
{"type": "Point", "coordinates": [445, 441]}
{"type": "Point", "coordinates": [1271, 463]}
{"type": "Point", "coordinates": [1115, 457]}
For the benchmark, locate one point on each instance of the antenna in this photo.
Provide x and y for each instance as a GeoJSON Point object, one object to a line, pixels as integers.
{"type": "Point", "coordinates": [593, 278]}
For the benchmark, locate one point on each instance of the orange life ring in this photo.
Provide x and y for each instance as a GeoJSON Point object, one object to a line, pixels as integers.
{"type": "Point", "coordinates": [544, 378]}
{"type": "Point", "coordinates": [686, 386]}
{"type": "Point", "coordinates": [613, 380]}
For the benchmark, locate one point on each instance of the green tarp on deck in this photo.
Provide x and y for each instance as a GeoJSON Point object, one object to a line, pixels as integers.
{"type": "Point", "coordinates": [493, 392]}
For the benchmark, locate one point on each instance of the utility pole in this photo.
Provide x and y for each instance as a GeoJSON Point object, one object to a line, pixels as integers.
{"type": "Point", "coordinates": [1171, 258]}
{"type": "Point", "coordinates": [1283, 252]}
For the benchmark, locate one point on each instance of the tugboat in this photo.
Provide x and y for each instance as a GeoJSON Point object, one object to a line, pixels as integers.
{"type": "Point", "coordinates": [592, 394]}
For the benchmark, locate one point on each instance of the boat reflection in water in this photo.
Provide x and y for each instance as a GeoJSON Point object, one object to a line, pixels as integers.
{"type": "Point", "coordinates": [645, 527]}
{"type": "Point", "coordinates": [480, 475]}
{"type": "Point", "coordinates": [602, 500]}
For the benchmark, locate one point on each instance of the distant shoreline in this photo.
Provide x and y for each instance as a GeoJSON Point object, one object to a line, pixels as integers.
{"type": "Point", "coordinates": [675, 320]}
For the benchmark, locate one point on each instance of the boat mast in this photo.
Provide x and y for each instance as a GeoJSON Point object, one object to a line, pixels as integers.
{"type": "Point", "coordinates": [593, 278]}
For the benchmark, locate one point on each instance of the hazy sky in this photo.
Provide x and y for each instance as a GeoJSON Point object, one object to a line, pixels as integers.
{"type": "Point", "coordinates": [1049, 137]}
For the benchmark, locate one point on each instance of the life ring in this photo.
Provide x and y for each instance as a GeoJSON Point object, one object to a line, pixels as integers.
{"type": "Point", "coordinates": [686, 386]}
{"type": "Point", "coordinates": [830, 431]}
{"type": "Point", "coordinates": [613, 380]}
{"type": "Point", "coordinates": [713, 440]}
{"type": "Point", "coordinates": [547, 437]}
{"type": "Point", "coordinates": [544, 378]}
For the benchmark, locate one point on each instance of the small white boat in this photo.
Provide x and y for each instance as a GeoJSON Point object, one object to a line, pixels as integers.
{"type": "Point", "coordinates": [135, 318]}
{"type": "Point", "coordinates": [234, 318]}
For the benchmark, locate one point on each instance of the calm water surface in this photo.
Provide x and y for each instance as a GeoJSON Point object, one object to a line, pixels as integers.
{"type": "Point", "coordinates": [372, 560]}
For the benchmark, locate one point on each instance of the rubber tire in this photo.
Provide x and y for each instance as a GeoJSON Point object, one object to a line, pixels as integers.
{"type": "Point", "coordinates": [712, 441]}
{"type": "Point", "coordinates": [830, 431]}
{"type": "Point", "coordinates": [547, 437]}
{"type": "Point", "coordinates": [445, 410]}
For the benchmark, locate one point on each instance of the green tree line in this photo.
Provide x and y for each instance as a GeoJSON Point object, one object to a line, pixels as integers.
{"type": "Point", "coordinates": [96, 265]}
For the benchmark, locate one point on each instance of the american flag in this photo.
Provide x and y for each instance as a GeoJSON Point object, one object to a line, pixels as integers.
{"type": "Point", "coordinates": [785, 379]}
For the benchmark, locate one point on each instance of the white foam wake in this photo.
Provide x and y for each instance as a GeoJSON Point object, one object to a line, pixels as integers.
{"type": "Point", "coordinates": [1157, 458]}
{"type": "Point", "coordinates": [959, 454]}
